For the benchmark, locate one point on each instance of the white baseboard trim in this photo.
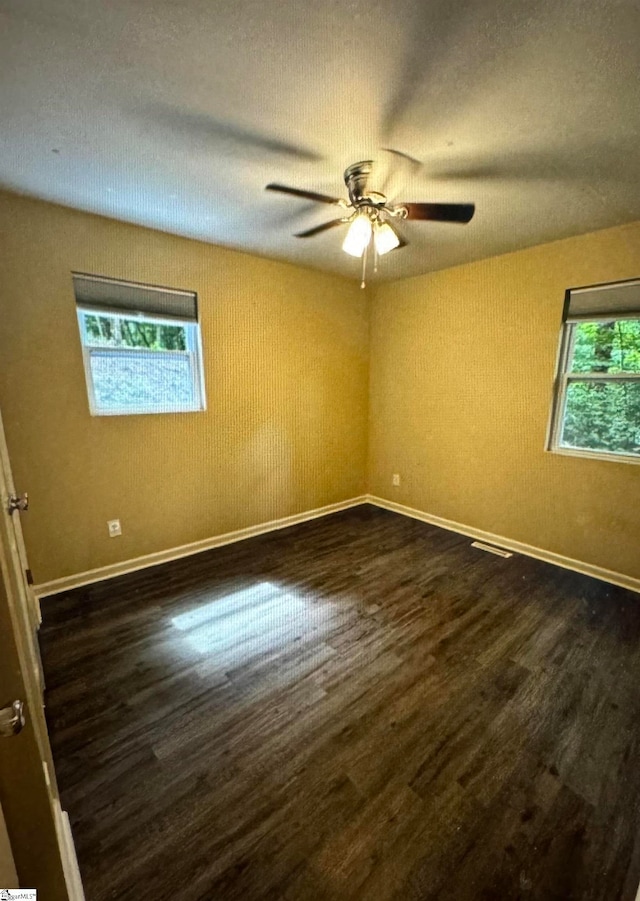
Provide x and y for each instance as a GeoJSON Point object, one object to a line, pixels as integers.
{"type": "Point", "coordinates": [127, 566]}
{"type": "Point", "coordinates": [66, 583]}
{"type": "Point", "coordinates": [586, 569]}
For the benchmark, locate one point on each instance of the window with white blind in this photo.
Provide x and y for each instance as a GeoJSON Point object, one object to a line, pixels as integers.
{"type": "Point", "coordinates": [141, 347]}
{"type": "Point", "coordinates": [596, 408]}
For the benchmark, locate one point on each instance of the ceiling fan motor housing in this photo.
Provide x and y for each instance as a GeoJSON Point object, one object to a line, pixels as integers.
{"type": "Point", "coordinates": [356, 177]}
{"type": "Point", "coordinates": [372, 203]}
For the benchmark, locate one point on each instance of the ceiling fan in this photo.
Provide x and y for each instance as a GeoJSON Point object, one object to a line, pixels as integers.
{"type": "Point", "coordinates": [370, 215]}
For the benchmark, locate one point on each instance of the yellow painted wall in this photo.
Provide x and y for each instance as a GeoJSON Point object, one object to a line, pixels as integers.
{"type": "Point", "coordinates": [462, 364]}
{"type": "Point", "coordinates": [286, 371]}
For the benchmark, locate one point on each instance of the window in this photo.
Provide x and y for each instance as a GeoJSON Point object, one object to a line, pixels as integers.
{"type": "Point", "coordinates": [141, 347]}
{"type": "Point", "coordinates": [596, 411]}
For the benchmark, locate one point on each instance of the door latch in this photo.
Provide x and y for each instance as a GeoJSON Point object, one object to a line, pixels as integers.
{"type": "Point", "coordinates": [12, 719]}
{"type": "Point", "coordinates": [18, 502]}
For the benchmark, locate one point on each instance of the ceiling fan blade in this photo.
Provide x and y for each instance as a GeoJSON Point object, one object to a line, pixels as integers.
{"type": "Point", "coordinates": [404, 156]}
{"type": "Point", "coordinates": [205, 129]}
{"type": "Point", "coordinates": [393, 171]}
{"type": "Point", "coordinates": [307, 195]}
{"type": "Point", "coordinates": [397, 174]}
{"type": "Point", "coordinates": [320, 228]}
{"type": "Point", "coordinates": [440, 212]}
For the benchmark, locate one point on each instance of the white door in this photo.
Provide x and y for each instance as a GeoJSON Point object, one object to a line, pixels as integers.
{"type": "Point", "coordinates": [37, 828]}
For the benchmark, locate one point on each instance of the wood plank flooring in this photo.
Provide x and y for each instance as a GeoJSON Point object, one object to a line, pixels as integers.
{"type": "Point", "coordinates": [360, 707]}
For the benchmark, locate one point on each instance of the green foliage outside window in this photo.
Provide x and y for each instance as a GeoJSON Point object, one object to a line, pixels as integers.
{"type": "Point", "coordinates": [602, 414]}
{"type": "Point", "coordinates": [607, 346]}
{"type": "Point", "coordinates": [112, 331]}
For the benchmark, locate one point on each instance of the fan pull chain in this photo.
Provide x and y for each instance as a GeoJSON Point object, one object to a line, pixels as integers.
{"type": "Point", "coordinates": [364, 267]}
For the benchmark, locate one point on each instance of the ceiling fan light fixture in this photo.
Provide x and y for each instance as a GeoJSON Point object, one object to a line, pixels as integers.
{"type": "Point", "coordinates": [358, 236]}
{"type": "Point", "coordinates": [385, 238]}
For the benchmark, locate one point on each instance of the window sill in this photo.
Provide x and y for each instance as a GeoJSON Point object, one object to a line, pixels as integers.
{"type": "Point", "coordinates": [146, 412]}
{"type": "Point", "coordinates": [594, 455]}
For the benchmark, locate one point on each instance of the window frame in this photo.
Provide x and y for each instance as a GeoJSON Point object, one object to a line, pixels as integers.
{"type": "Point", "coordinates": [193, 353]}
{"type": "Point", "coordinates": [562, 381]}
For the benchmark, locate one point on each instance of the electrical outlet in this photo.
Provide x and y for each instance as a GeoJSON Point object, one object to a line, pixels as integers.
{"type": "Point", "coordinates": [114, 527]}
{"type": "Point", "coordinates": [395, 479]}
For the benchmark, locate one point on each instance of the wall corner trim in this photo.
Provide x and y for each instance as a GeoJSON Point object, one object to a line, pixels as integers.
{"type": "Point", "coordinates": [67, 583]}
{"type": "Point", "coordinates": [585, 569]}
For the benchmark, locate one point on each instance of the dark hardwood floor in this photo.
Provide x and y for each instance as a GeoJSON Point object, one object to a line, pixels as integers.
{"type": "Point", "coordinates": [360, 707]}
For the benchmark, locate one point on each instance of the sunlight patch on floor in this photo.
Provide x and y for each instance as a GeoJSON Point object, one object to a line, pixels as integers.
{"type": "Point", "coordinates": [253, 622]}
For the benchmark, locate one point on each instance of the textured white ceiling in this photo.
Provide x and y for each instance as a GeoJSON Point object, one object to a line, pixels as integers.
{"type": "Point", "coordinates": [176, 113]}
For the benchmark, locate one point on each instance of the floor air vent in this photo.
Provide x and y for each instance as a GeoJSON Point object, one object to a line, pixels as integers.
{"type": "Point", "coordinates": [498, 551]}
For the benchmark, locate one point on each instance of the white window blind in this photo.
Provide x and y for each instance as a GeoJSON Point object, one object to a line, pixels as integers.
{"type": "Point", "coordinates": [616, 300]}
{"type": "Point", "coordinates": [95, 293]}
